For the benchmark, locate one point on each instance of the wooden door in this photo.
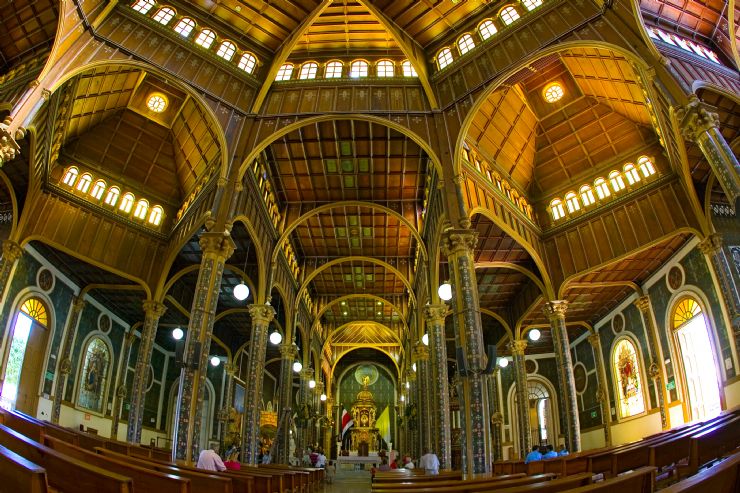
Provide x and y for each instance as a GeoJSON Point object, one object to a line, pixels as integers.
{"type": "Point", "coordinates": [33, 364]}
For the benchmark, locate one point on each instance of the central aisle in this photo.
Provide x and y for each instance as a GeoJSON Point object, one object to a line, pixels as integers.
{"type": "Point", "coordinates": [354, 481]}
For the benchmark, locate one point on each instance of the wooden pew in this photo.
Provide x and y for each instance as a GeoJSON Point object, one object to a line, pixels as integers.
{"type": "Point", "coordinates": [20, 474]}
{"type": "Point", "coordinates": [641, 480]}
{"type": "Point", "coordinates": [465, 486]}
{"type": "Point", "coordinates": [64, 473]}
{"type": "Point", "coordinates": [414, 475]}
{"type": "Point", "coordinates": [720, 478]}
{"type": "Point", "coordinates": [712, 442]}
{"type": "Point", "coordinates": [556, 485]}
{"type": "Point", "coordinates": [316, 474]}
{"type": "Point", "coordinates": [262, 482]}
{"type": "Point", "coordinates": [23, 424]}
{"type": "Point", "coordinates": [144, 479]}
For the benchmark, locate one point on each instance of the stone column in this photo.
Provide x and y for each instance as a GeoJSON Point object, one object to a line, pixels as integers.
{"type": "Point", "coordinates": [439, 391]}
{"type": "Point", "coordinates": [655, 370]}
{"type": "Point", "coordinates": [555, 311]}
{"type": "Point", "coordinates": [230, 370]}
{"type": "Point", "coordinates": [12, 251]}
{"type": "Point", "coordinates": [421, 358]}
{"type": "Point", "coordinates": [458, 246]}
{"type": "Point", "coordinates": [413, 442]}
{"type": "Point", "coordinates": [517, 348]}
{"type": "Point", "coordinates": [288, 353]}
{"type": "Point", "coordinates": [304, 410]}
{"type": "Point", "coordinates": [712, 249]}
{"type": "Point", "coordinates": [497, 419]}
{"type": "Point", "coordinates": [602, 393]}
{"type": "Point", "coordinates": [700, 124]}
{"type": "Point", "coordinates": [329, 428]}
{"type": "Point", "coordinates": [216, 248]}
{"type": "Point", "coordinates": [152, 311]}
{"type": "Point", "coordinates": [261, 316]}
{"type": "Point", "coordinates": [120, 394]}
{"type": "Point", "coordinates": [9, 148]}
{"type": "Point", "coordinates": [65, 355]}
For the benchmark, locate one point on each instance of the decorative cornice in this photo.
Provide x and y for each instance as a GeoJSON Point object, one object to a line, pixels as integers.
{"type": "Point", "coordinates": [421, 352]}
{"type": "Point", "coordinates": [219, 244]}
{"type": "Point", "coordinates": [643, 303]}
{"type": "Point", "coordinates": [696, 118]}
{"type": "Point", "coordinates": [288, 351]}
{"type": "Point", "coordinates": [459, 240]}
{"type": "Point", "coordinates": [594, 340]}
{"type": "Point", "coordinates": [435, 313]}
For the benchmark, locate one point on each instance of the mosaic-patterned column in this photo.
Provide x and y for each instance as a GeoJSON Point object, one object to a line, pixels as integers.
{"type": "Point", "coordinates": [555, 311]}
{"type": "Point", "coordinates": [458, 246]}
{"type": "Point", "coordinates": [439, 391]}
{"type": "Point", "coordinates": [329, 427]}
{"type": "Point", "coordinates": [152, 311]}
{"type": "Point", "coordinates": [654, 371]}
{"type": "Point", "coordinates": [216, 248]}
{"type": "Point", "coordinates": [120, 395]}
{"type": "Point", "coordinates": [413, 433]}
{"type": "Point", "coordinates": [65, 355]}
{"type": "Point", "coordinates": [230, 370]}
{"type": "Point", "coordinates": [261, 316]}
{"type": "Point", "coordinates": [421, 358]}
{"type": "Point", "coordinates": [288, 353]}
{"type": "Point", "coordinates": [304, 407]}
{"type": "Point", "coordinates": [517, 348]}
{"type": "Point", "coordinates": [712, 249]}
{"type": "Point", "coordinates": [12, 251]}
{"type": "Point", "coordinates": [700, 124]}
{"type": "Point", "coordinates": [497, 419]}
{"type": "Point", "coordinates": [602, 395]}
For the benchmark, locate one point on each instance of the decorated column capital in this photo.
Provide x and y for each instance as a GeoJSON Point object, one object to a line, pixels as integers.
{"type": "Point", "coordinates": [711, 245]}
{"type": "Point", "coordinates": [643, 304]}
{"type": "Point", "coordinates": [121, 391]}
{"type": "Point", "coordinates": [421, 352]}
{"type": "Point", "coordinates": [219, 244]}
{"type": "Point", "coordinates": [555, 309]}
{"type": "Point", "coordinates": [306, 373]}
{"type": "Point", "coordinates": [78, 303]}
{"type": "Point", "coordinates": [696, 118]}
{"type": "Point", "coordinates": [518, 346]}
{"type": "Point", "coordinates": [288, 350]}
{"type": "Point", "coordinates": [153, 309]}
{"type": "Point", "coordinates": [435, 313]}
{"type": "Point", "coordinates": [261, 314]}
{"type": "Point", "coordinates": [12, 251]}
{"type": "Point", "coordinates": [411, 376]}
{"type": "Point", "coordinates": [459, 240]}
{"type": "Point", "coordinates": [594, 340]}
{"type": "Point", "coordinates": [9, 148]}
{"type": "Point", "coordinates": [230, 369]}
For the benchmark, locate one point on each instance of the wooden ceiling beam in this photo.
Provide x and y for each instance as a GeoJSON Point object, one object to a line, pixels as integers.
{"type": "Point", "coordinates": [411, 49]}
{"type": "Point", "coordinates": [282, 53]}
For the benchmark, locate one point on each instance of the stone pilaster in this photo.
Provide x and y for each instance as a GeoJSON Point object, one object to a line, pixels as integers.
{"type": "Point", "coordinates": [517, 348]}
{"type": "Point", "coordinates": [65, 355]}
{"type": "Point", "coordinates": [120, 387]}
{"type": "Point", "coordinates": [712, 249]}
{"type": "Point", "coordinates": [555, 311]}
{"type": "Point", "coordinates": [12, 251]}
{"type": "Point", "coordinates": [421, 358]}
{"type": "Point", "coordinates": [230, 370]}
{"type": "Point", "coordinates": [458, 246]}
{"type": "Point", "coordinates": [152, 311]}
{"type": "Point", "coordinates": [288, 353]}
{"type": "Point", "coordinates": [655, 371]}
{"type": "Point", "coordinates": [261, 316]}
{"type": "Point", "coordinates": [602, 394]}
{"type": "Point", "coordinates": [305, 410]}
{"type": "Point", "coordinates": [413, 441]}
{"type": "Point", "coordinates": [216, 248]}
{"type": "Point", "coordinates": [497, 419]}
{"type": "Point", "coordinates": [700, 124]}
{"type": "Point", "coordinates": [439, 391]}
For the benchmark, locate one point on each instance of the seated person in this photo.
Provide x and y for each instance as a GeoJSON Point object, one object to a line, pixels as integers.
{"type": "Point", "coordinates": [210, 460]}
{"type": "Point", "coordinates": [232, 460]}
{"type": "Point", "coordinates": [550, 454]}
{"type": "Point", "coordinates": [384, 465]}
{"type": "Point", "coordinates": [408, 462]}
{"type": "Point", "coordinates": [534, 455]}
{"type": "Point", "coordinates": [563, 451]}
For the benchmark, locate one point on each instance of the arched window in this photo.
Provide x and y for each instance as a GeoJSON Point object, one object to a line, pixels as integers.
{"type": "Point", "coordinates": [308, 70]}
{"type": "Point", "coordinates": [386, 68]}
{"type": "Point", "coordinates": [646, 166]}
{"type": "Point", "coordinates": [615, 178]}
{"type": "Point", "coordinates": [359, 68]}
{"type": "Point", "coordinates": [284, 72]}
{"type": "Point", "coordinates": [205, 38]}
{"type": "Point", "coordinates": [98, 189]}
{"type": "Point", "coordinates": [531, 4]}
{"type": "Point", "coordinates": [465, 43]}
{"type": "Point", "coordinates": [631, 173]}
{"type": "Point", "coordinates": [70, 177]}
{"type": "Point", "coordinates": [334, 70]}
{"type": "Point", "coordinates": [112, 197]}
{"type": "Point", "coordinates": [84, 184]}
{"type": "Point", "coordinates": [93, 379]}
{"type": "Point", "coordinates": [408, 69]}
{"type": "Point", "coordinates": [587, 195]}
{"type": "Point", "coordinates": [247, 63]}
{"type": "Point", "coordinates": [226, 50]}
{"type": "Point", "coordinates": [444, 58]}
{"type": "Point", "coordinates": [164, 15]}
{"type": "Point", "coordinates": [571, 200]}
{"type": "Point", "coordinates": [143, 6]}
{"type": "Point", "coordinates": [509, 15]}
{"type": "Point", "coordinates": [602, 189]}
{"type": "Point", "coordinates": [127, 202]}
{"type": "Point", "coordinates": [626, 368]}
{"type": "Point", "coordinates": [35, 309]}
{"type": "Point", "coordinates": [142, 207]}
{"type": "Point", "coordinates": [487, 29]}
{"type": "Point", "coordinates": [556, 209]}
{"type": "Point", "coordinates": [155, 217]}
{"type": "Point", "coordinates": [665, 36]}
{"type": "Point", "coordinates": [185, 27]}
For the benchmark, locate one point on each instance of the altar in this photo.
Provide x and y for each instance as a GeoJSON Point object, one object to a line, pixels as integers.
{"type": "Point", "coordinates": [357, 462]}
{"type": "Point", "coordinates": [364, 436]}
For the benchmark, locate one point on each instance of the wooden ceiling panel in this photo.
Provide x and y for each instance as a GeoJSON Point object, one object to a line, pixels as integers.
{"type": "Point", "coordinates": [702, 16]}
{"type": "Point", "coordinates": [27, 28]}
{"type": "Point", "coordinates": [357, 277]}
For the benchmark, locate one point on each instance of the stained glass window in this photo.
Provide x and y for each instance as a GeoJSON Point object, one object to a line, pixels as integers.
{"type": "Point", "coordinates": [602, 189]}
{"type": "Point", "coordinates": [112, 197]}
{"type": "Point", "coordinates": [571, 200]}
{"type": "Point", "coordinates": [141, 209]}
{"type": "Point", "coordinates": [84, 184]}
{"type": "Point", "coordinates": [646, 166]}
{"type": "Point", "coordinates": [616, 180]}
{"type": "Point", "coordinates": [631, 173]}
{"type": "Point", "coordinates": [587, 195]}
{"type": "Point", "coordinates": [35, 309]}
{"type": "Point", "coordinates": [94, 375]}
{"type": "Point", "coordinates": [465, 43]}
{"type": "Point", "coordinates": [532, 4]}
{"type": "Point", "coordinates": [687, 309]}
{"type": "Point", "coordinates": [626, 368]}
{"type": "Point", "coordinates": [556, 208]}
{"type": "Point", "coordinates": [155, 217]}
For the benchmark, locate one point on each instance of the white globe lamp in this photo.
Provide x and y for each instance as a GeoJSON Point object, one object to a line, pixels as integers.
{"type": "Point", "coordinates": [425, 339]}
{"type": "Point", "coordinates": [534, 335]}
{"type": "Point", "coordinates": [445, 291]}
{"type": "Point", "coordinates": [276, 338]}
{"type": "Point", "coordinates": [177, 334]}
{"type": "Point", "coordinates": [503, 362]}
{"type": "Point", "coordinates": [311, 384]}
{"type": "Point", "coordinates": [322, 397]}
{"type": "Point", "coordinates": [241, 291]}
{"type": "Point", "coordinates": [297, 366]}
{"type": "Point", "coordinates": [215, 361]}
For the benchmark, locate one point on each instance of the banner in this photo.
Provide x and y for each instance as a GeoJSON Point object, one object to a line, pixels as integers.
{"type": "Point", "coordinates": [347, 422]}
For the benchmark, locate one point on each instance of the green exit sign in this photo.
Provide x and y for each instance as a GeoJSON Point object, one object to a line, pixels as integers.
{"type": "Point", "coordinates": [593, 414]}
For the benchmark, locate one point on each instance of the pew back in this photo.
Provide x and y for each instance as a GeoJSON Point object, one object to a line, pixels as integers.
{"type": "Point", "coordinates": [20, 474]}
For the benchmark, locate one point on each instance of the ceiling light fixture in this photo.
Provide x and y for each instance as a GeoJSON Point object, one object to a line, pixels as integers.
{"type": "Point", "coordinates": [241, 290]}
{"type": "Point", "coordinates": [503, 362]}
{"type": "Point", "coordinates": [157, 102]}
{"type": "Point", "coordinates": [276, 337]}
{"type": "Point", "coordinates": [553, 92]}
{"type": "Point", "coordinates": [534, 335]}
{"type": "Point", "coordinates": [322, 397]}
{"type": "Point", "coordinates": [311, 384]}
{"type": "Point", "coordinates": [425, 339]}
{"type": "Point", "coordinates": [445, 291]}
{"type": "Point", "coordinates": [177, 333]}
{"type": "Point", "coordinates": [297, 366]}
{"type": "Point", "coordinates": [215, 361]}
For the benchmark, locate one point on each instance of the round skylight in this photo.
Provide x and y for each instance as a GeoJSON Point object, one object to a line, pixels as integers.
{"type": "Point", "coordinates": [553, 92]}
{"type": "Point", "coordinates": [157, 103]}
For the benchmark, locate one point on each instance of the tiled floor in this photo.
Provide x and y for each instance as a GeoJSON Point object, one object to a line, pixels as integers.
{"type": "Point", "coordinates": [348, 481]}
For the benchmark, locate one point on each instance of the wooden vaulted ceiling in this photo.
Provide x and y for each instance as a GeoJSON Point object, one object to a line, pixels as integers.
{"type": "Point", "coordinates": [700, 16]}
{"type": "Point", "coordinates": [547, 146]}
{"type": "Point", "coordinates": [27, 28]}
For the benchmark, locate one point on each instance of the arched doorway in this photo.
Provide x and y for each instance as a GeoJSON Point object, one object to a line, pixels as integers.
{"type": "Point", "coordinates": [542, 412]}
{"type": "Point", "coordinates": [25, 357]}
{"type": "Point", "coordinates": [691, 335]}
{"type": "Point", "coordinates": [206, 415]}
